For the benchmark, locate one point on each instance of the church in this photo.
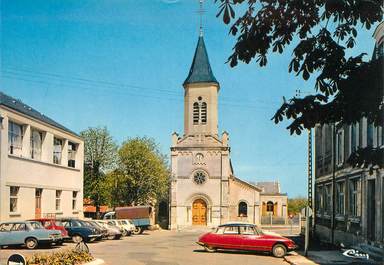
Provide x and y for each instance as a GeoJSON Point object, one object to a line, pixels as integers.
{"type": "Point", "coordinates": [204, 190]}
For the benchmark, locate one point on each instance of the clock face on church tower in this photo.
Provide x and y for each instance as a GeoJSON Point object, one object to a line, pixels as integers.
{"type": "Point", "coordinates": [199, 177]}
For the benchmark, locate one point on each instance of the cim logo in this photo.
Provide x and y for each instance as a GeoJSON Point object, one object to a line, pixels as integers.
{"type": "Point", "coordinates": [352, 253]}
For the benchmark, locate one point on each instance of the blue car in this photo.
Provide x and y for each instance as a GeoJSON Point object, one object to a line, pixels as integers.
{"type": "Point", "coordinates": [80, 230]}
{"type": "Point", "coordinates": [28, 233]}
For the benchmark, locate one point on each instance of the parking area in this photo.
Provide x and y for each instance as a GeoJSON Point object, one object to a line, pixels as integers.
{"type": "Point", "coordinates": [159, 248]}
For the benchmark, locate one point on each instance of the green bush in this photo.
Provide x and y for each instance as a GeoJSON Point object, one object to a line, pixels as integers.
{"type": "Point", "coordinates": [67, 257]}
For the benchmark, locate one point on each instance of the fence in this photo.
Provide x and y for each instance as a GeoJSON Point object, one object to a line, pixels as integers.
{"type": "Point", "coordinates": [275, 220]}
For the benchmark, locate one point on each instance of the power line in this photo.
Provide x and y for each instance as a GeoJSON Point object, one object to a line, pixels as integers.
{"type": "Point", "coordinates": [133, 94]}
{"type": "Point", "coordinates": [77, 80]}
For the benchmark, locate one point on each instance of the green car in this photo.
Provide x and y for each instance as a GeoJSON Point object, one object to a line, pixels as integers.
{"type": "Point", "coordinates": [28, 233]}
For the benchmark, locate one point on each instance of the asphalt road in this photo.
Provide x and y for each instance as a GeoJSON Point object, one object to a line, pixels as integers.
{"type": "Point", "coordinates": [161, 248]}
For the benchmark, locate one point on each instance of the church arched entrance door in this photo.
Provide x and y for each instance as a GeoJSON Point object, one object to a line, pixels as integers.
{"type": "Point", "coordinates": [199, 212]}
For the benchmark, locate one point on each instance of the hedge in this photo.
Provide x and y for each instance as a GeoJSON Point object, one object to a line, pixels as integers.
{"type": "Point", "coordinates": [68, 257]}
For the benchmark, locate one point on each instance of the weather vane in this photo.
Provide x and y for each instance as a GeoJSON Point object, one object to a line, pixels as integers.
{"type": "Point", "coordinates": [201, 12]}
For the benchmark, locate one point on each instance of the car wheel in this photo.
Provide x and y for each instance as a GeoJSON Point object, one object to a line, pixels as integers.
{"type": "Point", "coordinates": [110, 237]}
{"type": "Point", "coordinates": [209, 249]}
{"type": "Point", "coordinates": [31, 243]}
{"type": "Point", "coordinates": [279, 250]}
{"type": "Point", "coordinates": [77, 238]}
{"type": "Point", "coordinates": [124, 233]}
{"type": "Point", "coordinates": [59, 243]}
{"type": "Point", "coordinates": [137, 231]}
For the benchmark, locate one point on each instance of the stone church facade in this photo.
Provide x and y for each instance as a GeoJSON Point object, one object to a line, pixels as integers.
{"type": "Point", "coordinates": [204, 190]}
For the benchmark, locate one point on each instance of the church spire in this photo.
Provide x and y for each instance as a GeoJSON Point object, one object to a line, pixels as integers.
{"type": "Point", "coordinates": [200, 71]}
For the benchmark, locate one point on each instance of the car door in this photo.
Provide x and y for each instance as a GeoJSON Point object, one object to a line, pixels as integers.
{"type": "Point", "coordinates": [251, 239]}
{"type": "Point", "coordinates": [5, 234]}
{"type": "Point", "coordinates": [230, 238]}
{"type": "Point", "coordinates": [18, 233]}
{"type": "Point", "coordinates": [67, 226]}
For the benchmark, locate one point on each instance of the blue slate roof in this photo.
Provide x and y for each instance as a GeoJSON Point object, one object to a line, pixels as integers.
{"type": "Point", "coordinates": [200, 71]}
{"type": "Point", "coordinates": [20, 107]}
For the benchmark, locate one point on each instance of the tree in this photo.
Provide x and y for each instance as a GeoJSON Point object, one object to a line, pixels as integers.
{"type": "Point", "coordinates": [100, 156]}
{"type": "Point", "coordinates": [142, 174]}
{"type": "Point", "coordinates": [296, 204]}
{"type": "Point", "coordinates": [323, 32]}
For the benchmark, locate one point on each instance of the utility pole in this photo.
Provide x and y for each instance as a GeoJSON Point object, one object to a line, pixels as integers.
{"type": "Point", "coordinates": [310, 197]}
{"type": "Point", "coordinates": [308, 208]}
{"type": "Point", "coordinates": [310, 168]}
{"type": "Point", "coordinates": [334, 143]}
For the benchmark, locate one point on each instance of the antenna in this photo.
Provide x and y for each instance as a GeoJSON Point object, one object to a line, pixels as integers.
{"type": "Point", "coordinates": [201, 12]}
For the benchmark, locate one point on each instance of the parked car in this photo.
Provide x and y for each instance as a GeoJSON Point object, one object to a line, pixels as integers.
{"type": "Point", "coordinates": [53, 224]}
{"type": "Point", "coordinates": [80, 231]}
{"type": "Point", "coordinates": [29, 233]}
{"type": "Point", "coordinates": [103, 231]}
{"type": "Point", "coordinates": [241, 236]}
{"type": "Point", "coordinates": [114, 232]}
{"type": "Point", "coordinates": [119, 223]}
{"type": "Point", "coordinates": [128, 224]}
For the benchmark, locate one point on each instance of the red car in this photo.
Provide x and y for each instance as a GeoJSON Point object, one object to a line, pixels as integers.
{"type": "Point", "coordinates": [53, 224]}
{"type": "Point", "coordinates": [240, 236]}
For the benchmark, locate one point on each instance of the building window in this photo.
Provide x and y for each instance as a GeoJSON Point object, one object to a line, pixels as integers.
{"type": "Point", "coordinates": [58, 200]}
{"type": "Point", "coordinates": [199, 177]}
{"type": "Point", "coordinates": [38, 194]}
{"type": "Point", "coordinates": [14, 191]}
{"type": "Point", "coordinates": [36, 143]}
{"type": "Point", "coordinates": [243, 209]}
{"type": "Point", "coordinates": [57, 150]}
{"type": "Point", "coordinates": [340, 191]}
{"type": "Point", "coordinates": [319, 199]}
{"type": "Point", "coordinates": [72, 148]}
{"type": "Point", "coordinates": [370, 134]}
{"type": "Point", "coordinates": [379, 136]}
{"type": "Point", "coordinates": [15, 138]}
{"type": "Point", "coordinates": [328, 199]}
{"type": "Point", "coordinates": [354, 194]}
{"type": "Point", "coordinates": [74, 200]}
{"type": "Point", "coordinates": [354, 138]}
{"type": "Point", "coordinates": [270, 206]}
{"type": "Point", "coordinates": [340, 147]}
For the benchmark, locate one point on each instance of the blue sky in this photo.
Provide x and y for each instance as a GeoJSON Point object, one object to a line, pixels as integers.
{"type": "Point", "coordinates": [121, 64]}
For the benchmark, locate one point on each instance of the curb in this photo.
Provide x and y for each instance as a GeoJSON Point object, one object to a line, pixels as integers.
{"type": "Point", "coordinates": [288, 261]}
{"type": "Point", "coordinates": [297, 259]}
{"type": "Point", "coordinates": [95, 262]}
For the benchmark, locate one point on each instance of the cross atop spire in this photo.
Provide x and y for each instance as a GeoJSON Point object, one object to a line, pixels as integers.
{"type": "Point", "coordinates": [201, 12]}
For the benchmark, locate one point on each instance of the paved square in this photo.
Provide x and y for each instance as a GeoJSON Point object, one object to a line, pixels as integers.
{"type": "Point", "coordinates": [163, 248]}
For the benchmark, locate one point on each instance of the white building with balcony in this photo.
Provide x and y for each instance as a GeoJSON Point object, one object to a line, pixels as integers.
{"type": "Point", "coordinates": [41, 164]}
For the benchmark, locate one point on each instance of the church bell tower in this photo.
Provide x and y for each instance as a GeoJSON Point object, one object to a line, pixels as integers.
{"type": "Point", "coordinates": [201, 95]}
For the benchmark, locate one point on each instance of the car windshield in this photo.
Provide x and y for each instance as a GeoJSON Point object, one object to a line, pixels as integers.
{"type": "Point", "coordinates": [124, 222]}
{"type": "Point", "coordinates": [36, 225]}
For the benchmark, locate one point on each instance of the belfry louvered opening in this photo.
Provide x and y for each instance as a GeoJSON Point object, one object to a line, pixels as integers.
{"type": "Point", "coordinates": [196, 110]}
{"type": "Point", "coordinates": [199, 112]}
